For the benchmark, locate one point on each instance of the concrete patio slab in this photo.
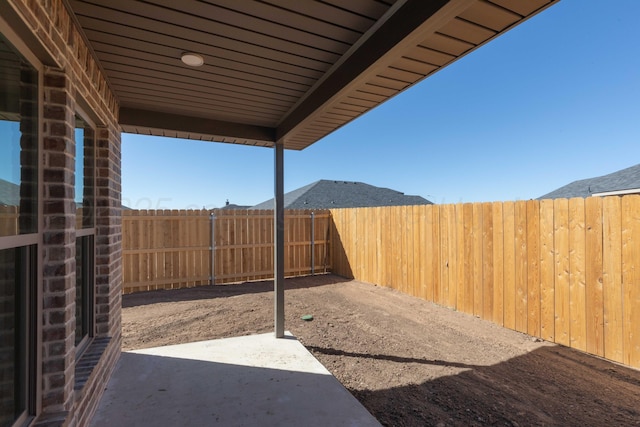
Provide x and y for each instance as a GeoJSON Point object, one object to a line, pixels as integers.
{"type": "Point", "coordinates": [244, 381]}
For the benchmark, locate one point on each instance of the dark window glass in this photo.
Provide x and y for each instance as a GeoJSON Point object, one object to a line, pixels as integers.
{"type": "Point", "coordinates": [84, 287]}
{"type": "Point", "coordinates": [15, 285]}
{"type": "Point", "coordinates": [18, 143]}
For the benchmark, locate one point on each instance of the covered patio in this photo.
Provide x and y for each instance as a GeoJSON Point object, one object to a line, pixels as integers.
{"type": "Point", "coordinates": [256, 380]}
{"type": "Point", "coordinates": [274, 74]}
{"type": "Point", "coordinates": [277, 75]}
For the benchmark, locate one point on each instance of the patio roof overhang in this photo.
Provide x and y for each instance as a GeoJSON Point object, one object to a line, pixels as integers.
{"type": "Point", "coordinates": [277, 71]}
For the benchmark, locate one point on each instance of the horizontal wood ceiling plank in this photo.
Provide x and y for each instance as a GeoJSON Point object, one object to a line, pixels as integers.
{"type": "Point", "coordinates": [400, 74]}
{"type": "Point", "coordinates": [446, 44]}
{"type": "Point", "coordinates": [520, 7]}
{"type": "Point", "coordinates": [328, 121]}
{"type": "Point", "coordinates": [429, 56]}
{"type": "Point", "coordinates": [467, 31]}
{"type": "Point", "coordinates": [342, 107]}
{"type": "Point", "coordinates": [307, 133]}
{"type": "Point", "coordinates": [351, 99]}
{"type": "Point", "coordinates": [489, 15]}
{"type": "Point", "coordinates": [362, 93]}
{"type": "Point", "coordinates": [414, 66]}
{"type": "Point", "coordinates": [372, 9]}
{"type": "Point", "coordinates": [385, 82]}
{"type": "Point", "coordinates": [320, 128]}
{"type": "Point", "coordinates": [328, 13]}
{"type": "Point", "coordinates": [342, 115]}
{"type": "Point", "coordinates": [377, 90]}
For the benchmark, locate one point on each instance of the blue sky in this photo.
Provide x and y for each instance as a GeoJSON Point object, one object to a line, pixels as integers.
{"type": "Point", "coordinates": [554, 100]}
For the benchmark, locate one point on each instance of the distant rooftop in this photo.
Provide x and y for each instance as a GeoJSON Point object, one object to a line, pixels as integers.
{"type": "Point", "coordinates": [625, 181]}
{"type": "Point", "coordinates": [9, 193]}
{"type": "Point", "coordinates": [228, 205]}
{"type": "Point", "coordinates": [327, 194]}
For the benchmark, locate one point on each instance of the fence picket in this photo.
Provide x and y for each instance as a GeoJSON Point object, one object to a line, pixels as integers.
{"type": "Point", "coordinates": [498, 263]}
{"type": "Point", "coordinates": [561, 243]}
{"type": "Point", "coordinates": [533, 268]}
{"type": "Point", "coordinates": [631, 279]}
{"type": "Point", "coordinates": [612, 279]}
{"type": "Point", "coordinates": [458, 265]}
{"type": "Point", "coordinates": [465, 299]}
{"type": "Point", "coordinates": [577, 264]}
{"type": "Point", "coordinates": [437, 253]}
{"type": "Point", "coordinates": [547, 271]}
{"type": "Point", "coordinates": [477, 287]}
{"type": "Point", "coordinates": [520, 219]}
{"type": "Point", "coordinates": [509, 265]}
{"type": "Point", "coordinates": [487, 285]}
{"type": "Point", "coordinates": [594, 310]}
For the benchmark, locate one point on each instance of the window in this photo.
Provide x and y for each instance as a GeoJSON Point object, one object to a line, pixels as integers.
{"type": "Point", "coordinates": [85, 231]}
{"type": "Point", "coordinates": [19, 111]}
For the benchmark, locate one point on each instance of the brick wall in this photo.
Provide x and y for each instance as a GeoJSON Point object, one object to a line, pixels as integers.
{"type": "Point", "coordinates": [75, 79]}
{"type": "Point", "coordinates": [58, 310]}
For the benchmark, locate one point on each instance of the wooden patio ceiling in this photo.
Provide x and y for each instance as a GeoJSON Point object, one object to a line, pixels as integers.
{"type": "Point", "coordinates": [277, 70]}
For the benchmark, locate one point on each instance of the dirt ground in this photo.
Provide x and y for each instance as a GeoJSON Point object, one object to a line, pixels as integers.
{"type": "Point", "coordinates": [410, 362]}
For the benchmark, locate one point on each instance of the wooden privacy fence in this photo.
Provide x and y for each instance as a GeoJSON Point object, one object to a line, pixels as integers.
{"type": "Point", "coordinates": [8, 220]}
{"type": "Point", "coordinates": [169, 249]}
{"type": "Point", "coordinates": [567, 271]}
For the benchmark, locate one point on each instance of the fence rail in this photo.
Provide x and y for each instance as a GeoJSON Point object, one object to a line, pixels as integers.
{"type": "Point", "coordinates": [567, 271]}
{"type": "Point", "coordinates": [172, 249]}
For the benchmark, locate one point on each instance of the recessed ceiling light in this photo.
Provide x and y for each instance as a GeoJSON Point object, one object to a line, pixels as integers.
{"type": "Point", "coordinates": [192, 59]}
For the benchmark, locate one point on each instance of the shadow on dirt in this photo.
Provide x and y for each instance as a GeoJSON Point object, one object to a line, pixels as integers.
{"type": "Point", "coordinates": [550, 386]}
{"type": "Point", "coordinates": [227, 290]}
{"type": "Point", "coordinates": [390, 358]}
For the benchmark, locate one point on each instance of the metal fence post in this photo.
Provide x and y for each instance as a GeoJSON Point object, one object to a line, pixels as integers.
{"type": "Point", "coordinates": [313, 242]}
{"type": "Point", "coordinates": [212, 249]}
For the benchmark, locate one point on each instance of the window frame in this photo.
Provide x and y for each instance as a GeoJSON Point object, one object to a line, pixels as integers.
{"type": "Point", "coordinates": [29, 247]}
{"type": "Point", "coordinates": [85, 237]}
